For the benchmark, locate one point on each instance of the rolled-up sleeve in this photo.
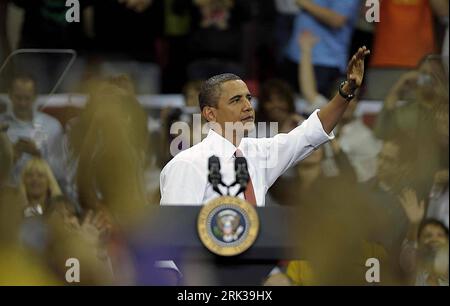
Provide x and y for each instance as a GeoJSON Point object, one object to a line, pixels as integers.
{"type": "Point", "coordinates": [285, 150]}
{"type": "Point", "coordinates": [314, 131]}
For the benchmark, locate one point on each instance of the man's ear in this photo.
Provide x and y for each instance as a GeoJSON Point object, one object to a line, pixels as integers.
{"type": "Point", "coordinates": [209, 113]}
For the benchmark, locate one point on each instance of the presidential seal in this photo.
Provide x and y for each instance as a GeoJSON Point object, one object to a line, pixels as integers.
{"type": "Point", "coordinates": [228, 226]}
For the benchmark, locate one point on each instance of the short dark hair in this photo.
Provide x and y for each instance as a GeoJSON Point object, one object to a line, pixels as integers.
{"type": "Point", "coordinates": [432, 221]}
{"type": "Point", "coordinates": [210, 90]}
{"type": "Point", "coordinates": [24, 77]}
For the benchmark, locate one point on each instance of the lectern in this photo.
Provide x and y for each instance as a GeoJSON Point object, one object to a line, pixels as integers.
{"type": "Point", "coordinates": [171, 234]}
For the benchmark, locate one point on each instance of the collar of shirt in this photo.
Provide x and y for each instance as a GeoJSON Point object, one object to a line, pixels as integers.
{"type": "Point", "coordinates": [11, 116]}
{"type": "Point", "coordinates": [222, 147]}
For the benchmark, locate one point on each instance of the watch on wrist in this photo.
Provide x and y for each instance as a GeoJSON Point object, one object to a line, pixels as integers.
{"type": "Point", "coordinates": [347, 96]}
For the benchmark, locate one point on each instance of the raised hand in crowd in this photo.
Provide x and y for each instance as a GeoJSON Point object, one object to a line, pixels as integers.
{"type": "Point", "coordinates": [307, 40]}
{"type": "Point", "coordinates": [24, 145]}
{"type": "Point", "coordinates": [306, 74]}
{"type": "Point", "coordinates": [414, 208]}
{"type": "Point", "coordinates": [405, 84]}
{"type": "Point", "coordinates": [94, 226]}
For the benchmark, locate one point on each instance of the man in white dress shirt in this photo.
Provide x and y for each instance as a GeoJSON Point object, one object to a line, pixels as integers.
{"type": "Point", "coordinates": [225, 102]}
{"type": "Point", "coordinates": [32, 133]}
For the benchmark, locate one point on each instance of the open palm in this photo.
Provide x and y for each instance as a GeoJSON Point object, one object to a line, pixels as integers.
{"type": "Point", "coordinates": [355, 68]}
{"type": "Point", "coordinates": [414, 209]}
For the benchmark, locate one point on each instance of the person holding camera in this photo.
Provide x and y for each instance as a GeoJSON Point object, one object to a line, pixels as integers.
{"type": "Point", "coordinates": [416, 93]}
{"type": "Point", "coordinates": [417, 106]}
{"type": "Point", "coordinates": [32, 133]}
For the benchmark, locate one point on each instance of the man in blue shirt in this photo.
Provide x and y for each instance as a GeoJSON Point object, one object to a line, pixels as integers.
{"type": "Point", "coordinates": [332, 23]}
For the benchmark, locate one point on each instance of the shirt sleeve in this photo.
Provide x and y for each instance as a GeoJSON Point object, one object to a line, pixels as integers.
{"type": "Point", "coordinates": [181, 183]}
{"type": "Point", "coordinates": [285, 150]}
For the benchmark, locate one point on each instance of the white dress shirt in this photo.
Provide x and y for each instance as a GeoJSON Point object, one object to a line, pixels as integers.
{"type": "Point", "coordinates": [184, 180]}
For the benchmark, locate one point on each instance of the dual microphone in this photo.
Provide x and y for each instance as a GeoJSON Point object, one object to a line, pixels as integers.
{"type": "Point", "coordinates": [242, 176]}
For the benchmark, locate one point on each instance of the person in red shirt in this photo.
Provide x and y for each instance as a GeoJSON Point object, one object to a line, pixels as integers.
{"type": "Point", "coordinates": [405, 33]}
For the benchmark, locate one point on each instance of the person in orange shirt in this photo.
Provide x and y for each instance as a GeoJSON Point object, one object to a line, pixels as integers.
{"type": "Point", "coordinates": [405, 32]}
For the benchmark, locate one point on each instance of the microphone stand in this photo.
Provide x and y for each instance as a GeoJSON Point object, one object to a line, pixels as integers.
{"type": "Point", "coordinates": [215, 177]}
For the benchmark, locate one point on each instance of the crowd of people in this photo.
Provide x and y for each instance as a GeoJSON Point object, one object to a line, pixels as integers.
{"type": "Point", "coordinates": [164, 44]}
{"type": "Point", "coordinates": [79, 185]}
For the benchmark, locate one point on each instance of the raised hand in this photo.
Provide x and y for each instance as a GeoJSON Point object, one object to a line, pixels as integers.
{"type": "Point", "coordinates": [405, 83]}
{"type": "Point", "coordinates": [307, 40]}
{"type": "Point", "coordinates": [29, 146]}
{"type": "Point", "coordinates": [415, 210]}
{"type": "Point", "coordinates": [93, 226]}
{"type": "Point", "coordinates": [355, 68]}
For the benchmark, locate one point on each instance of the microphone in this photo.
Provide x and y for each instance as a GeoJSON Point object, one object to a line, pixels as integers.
{"type": "Point", "coordinates": [214, 175]}
{"type": "Point", "coordinates": [242, 175]}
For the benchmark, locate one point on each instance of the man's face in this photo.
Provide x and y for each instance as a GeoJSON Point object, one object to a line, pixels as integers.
{"type": "Point", "coordinates": [388, 162]}
{"type": "Point", "coordinates": [234, 106]}
{"type": "Point", "coordinates": [433, 237]}
{"type": "Point", "coordinates": [22, 95]}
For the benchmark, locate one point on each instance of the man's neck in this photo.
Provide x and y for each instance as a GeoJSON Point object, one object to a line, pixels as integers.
{"type": "Point", "coordinates": [234, 138]}
{"type": "Point", "coordinates": [24, 116]}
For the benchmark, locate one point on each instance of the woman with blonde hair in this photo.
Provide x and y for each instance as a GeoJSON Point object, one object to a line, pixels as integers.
{"type": "Point", "coordinates": [40, 186]}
